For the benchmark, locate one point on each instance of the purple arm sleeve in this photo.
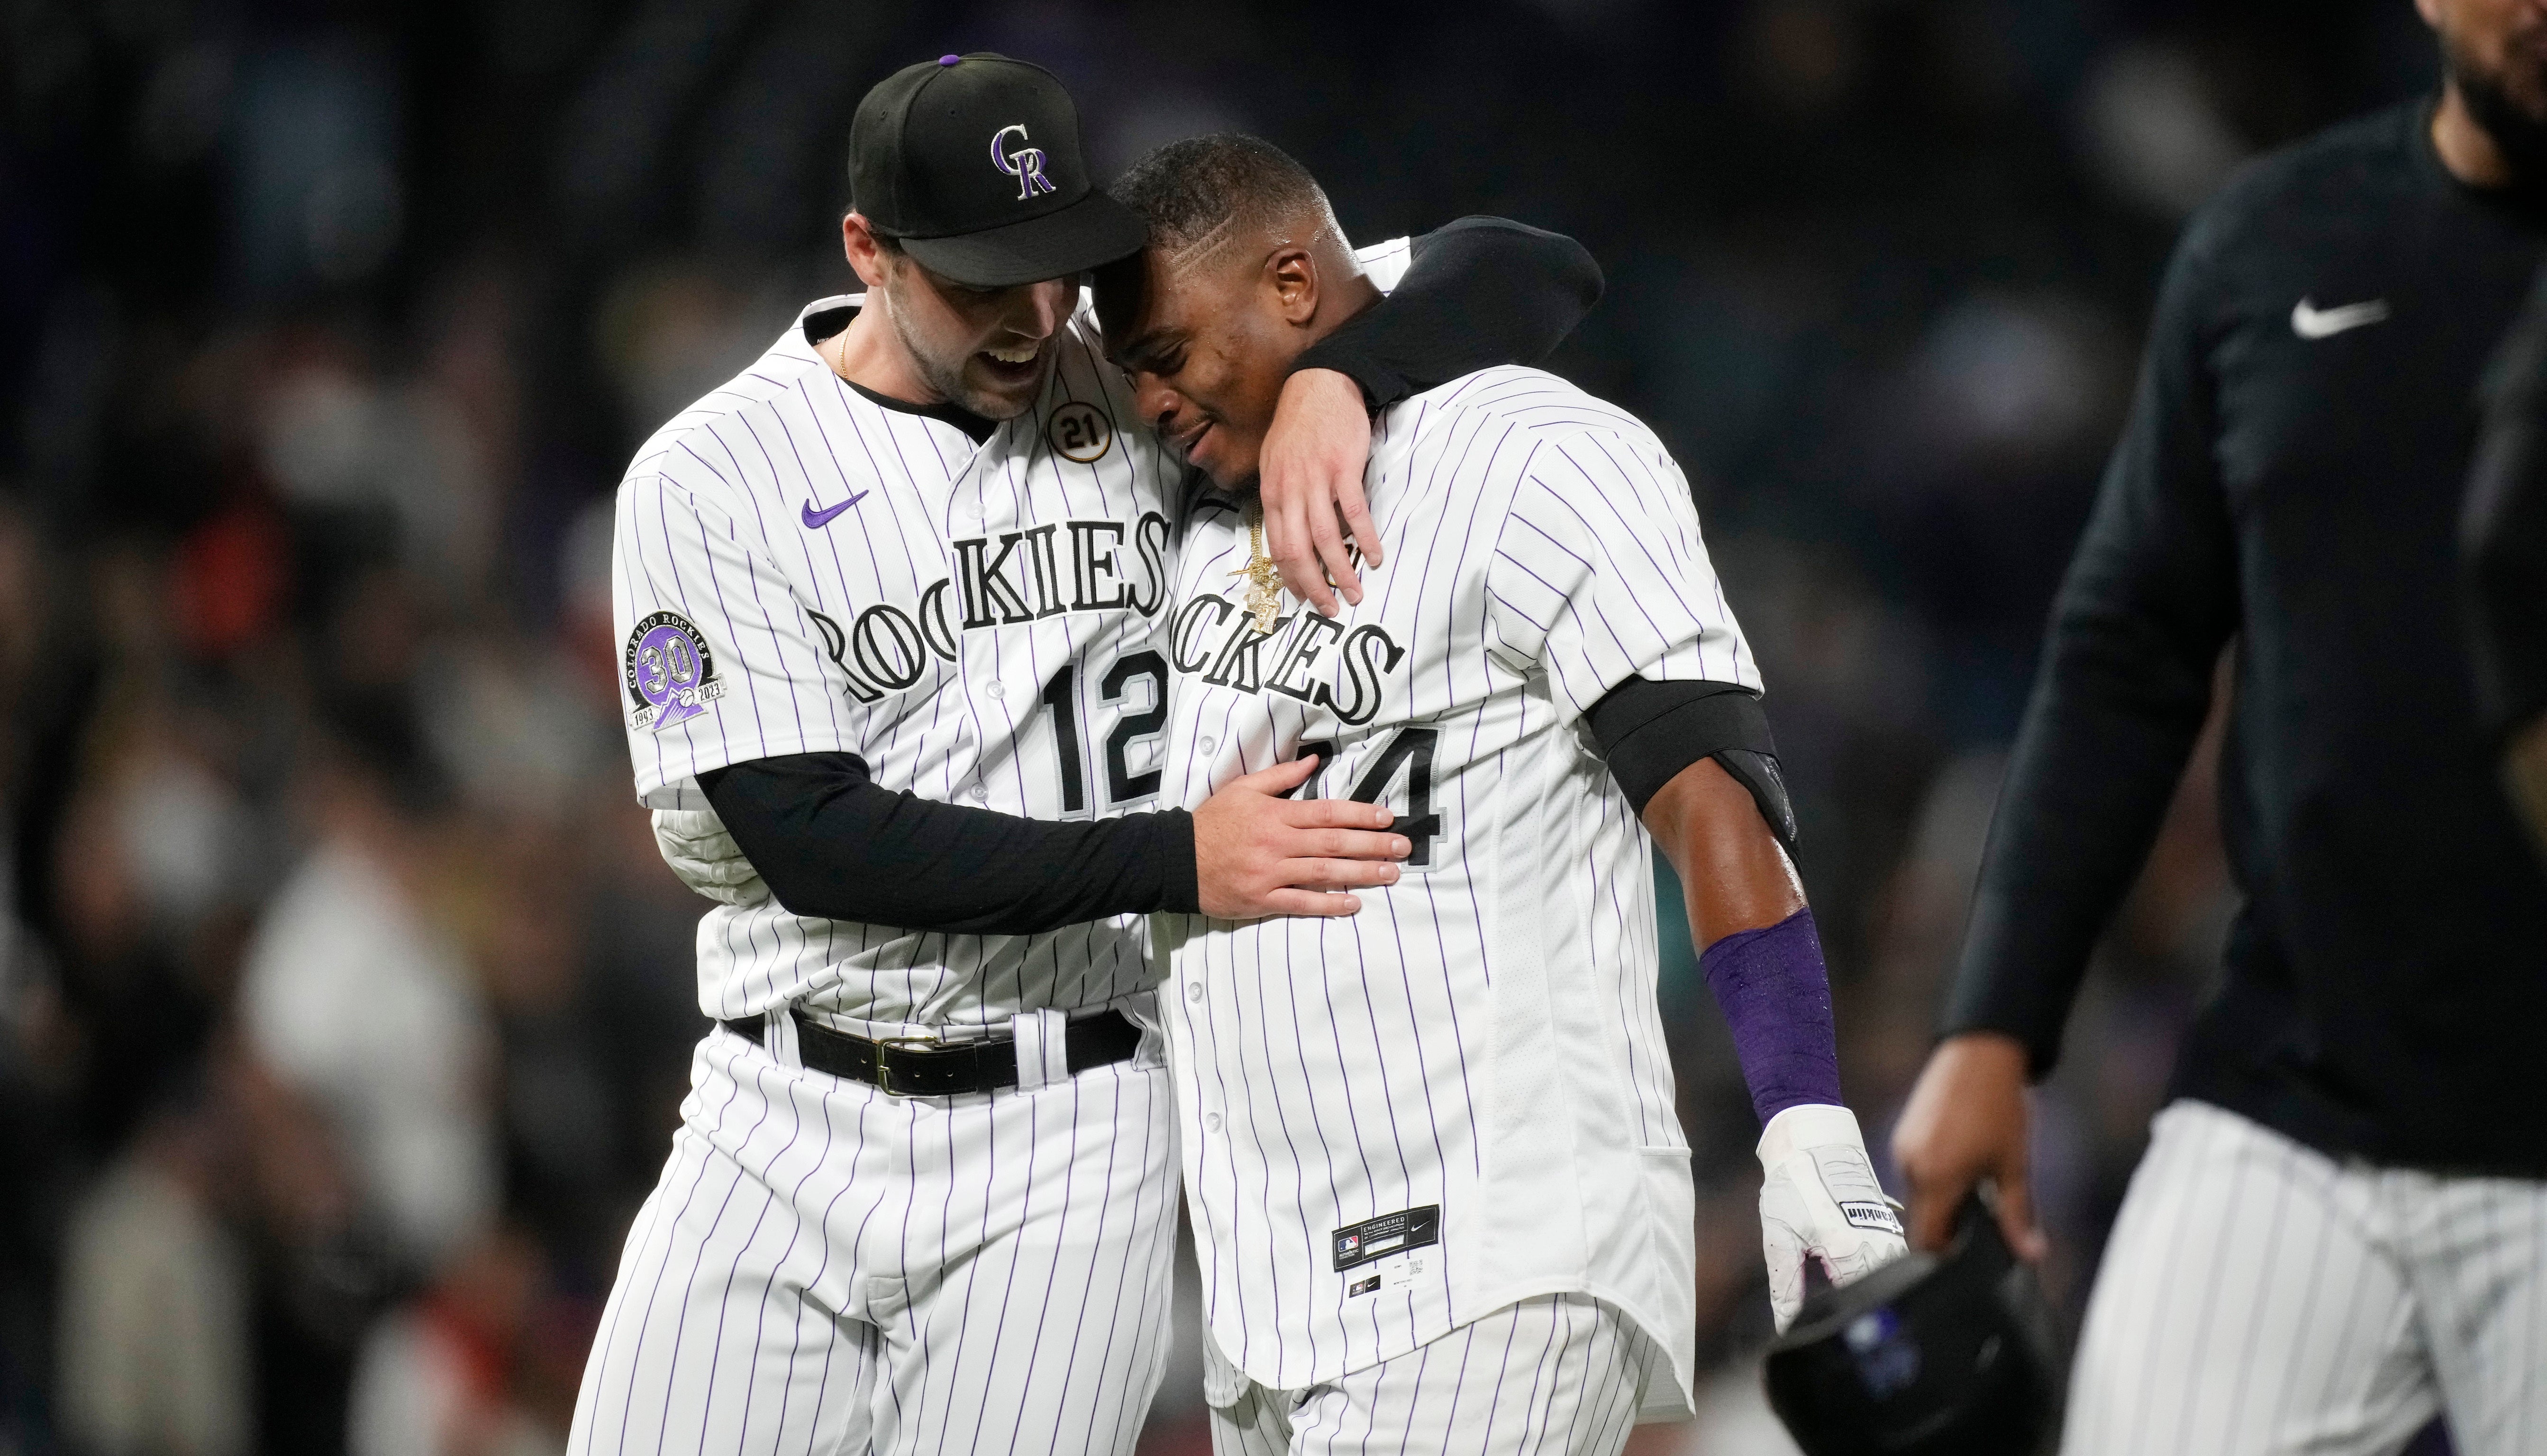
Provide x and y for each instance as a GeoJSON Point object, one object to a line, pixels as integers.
{"type": "Point", "coordinates": [1775, 996]}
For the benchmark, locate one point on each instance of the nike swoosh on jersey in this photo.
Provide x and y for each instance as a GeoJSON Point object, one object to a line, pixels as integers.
{"type": "Point", "coordinates": [816, 519]}
{"type": "Point", "coordinates": [2312, 322]}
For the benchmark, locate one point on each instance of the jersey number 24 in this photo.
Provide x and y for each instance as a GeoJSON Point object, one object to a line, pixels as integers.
{"type": "Point", "coordinates": [1412, 750]}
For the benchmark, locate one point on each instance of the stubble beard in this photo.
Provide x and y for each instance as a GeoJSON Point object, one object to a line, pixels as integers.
{"type": "Point", "coordinates": [945, 376]}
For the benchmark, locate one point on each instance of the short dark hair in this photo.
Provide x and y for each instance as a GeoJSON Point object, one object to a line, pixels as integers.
{"type": "Point", "coordinates": [1185, 189]}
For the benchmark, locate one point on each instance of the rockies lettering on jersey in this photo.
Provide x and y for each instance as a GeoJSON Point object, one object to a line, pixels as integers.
{"type": "Point", "coordinates": [976, 622]}
{"type": "Point", "coordinates": [801, 569]}
{"type": "Point", "coordinates": [883, 650]}
{"type": "Point", "coordinates": [1214, 636]}
{"type": "Point", "coordinates": [1478, 1053]}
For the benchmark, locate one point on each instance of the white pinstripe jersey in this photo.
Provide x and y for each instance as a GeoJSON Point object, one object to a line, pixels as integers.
{"type": "Point", "coordinates": [1399, 1122]}
{"type": "Point", "coordinates": [799, 568]}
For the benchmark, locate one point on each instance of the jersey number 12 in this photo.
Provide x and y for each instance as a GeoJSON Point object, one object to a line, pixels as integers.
{"type": "Point", "coordinates": [1121, 783]}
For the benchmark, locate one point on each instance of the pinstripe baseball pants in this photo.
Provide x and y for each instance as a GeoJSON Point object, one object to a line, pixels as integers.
{"type": "Point", "coordinates": [1561, 1375]}
{"type": "Point", "coordinates": [2259, 1298]}
{"type": "Point", "coordinates": [827, 1270]}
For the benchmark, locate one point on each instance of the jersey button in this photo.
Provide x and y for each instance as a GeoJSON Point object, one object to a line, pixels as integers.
{"type": "Point", "coordinates": [981, 794]}
{"type": "Point", "coordinates": [1193, 990]}
{"type": "Point", "coordinates": [1208, 745]}
{"type": "Point", "coordinates": [1212, 1122]}
{"type": "Point", "coordinates": [995, 690]}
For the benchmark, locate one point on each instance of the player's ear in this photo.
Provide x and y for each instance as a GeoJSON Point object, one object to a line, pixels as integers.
{"type": "Point", "coordinates": [869, 254]}
{"type": "Point", "coordinates": [1293, 274]}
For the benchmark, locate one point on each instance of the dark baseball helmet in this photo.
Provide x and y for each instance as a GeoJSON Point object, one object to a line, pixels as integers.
{"type": "Point", "coordinates": [1929, 1356]}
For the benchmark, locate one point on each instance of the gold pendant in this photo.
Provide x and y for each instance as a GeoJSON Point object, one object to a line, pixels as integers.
{"type": "Point", "coordinates": [1263, 579]}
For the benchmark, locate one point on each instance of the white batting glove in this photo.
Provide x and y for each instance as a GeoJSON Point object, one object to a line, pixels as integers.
{"type": "Point", "coordinates": [1820, 1201]}
{"type": "Point", "coordinates": [694, 842]}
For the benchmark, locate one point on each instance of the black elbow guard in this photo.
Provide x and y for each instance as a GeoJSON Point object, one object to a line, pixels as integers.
{"type": "Point", "coordinates": [1649, 731]}
{"type": "Point", "coordinates": [1758, 772]}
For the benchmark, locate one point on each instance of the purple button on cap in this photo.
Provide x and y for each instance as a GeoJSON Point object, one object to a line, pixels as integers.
{"type": "Point", "coordinates": [948, 59]}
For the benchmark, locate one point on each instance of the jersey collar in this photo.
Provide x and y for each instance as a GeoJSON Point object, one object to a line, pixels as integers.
{"type": "Point", "coordinates": [825, 317]}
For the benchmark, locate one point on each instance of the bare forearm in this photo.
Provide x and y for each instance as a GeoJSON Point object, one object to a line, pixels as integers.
{"type": "Point", "coordinates": [1733, 871]}
{"type": "Point", "coordinates": [1760, 953]}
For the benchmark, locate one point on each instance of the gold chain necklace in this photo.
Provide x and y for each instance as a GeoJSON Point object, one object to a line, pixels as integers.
{"type": "Point", "coordinates": [1263, 579]}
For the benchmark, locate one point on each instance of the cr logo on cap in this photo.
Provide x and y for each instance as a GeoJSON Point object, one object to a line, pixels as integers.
{"type": "Point", "coordinates": [1024, 164]}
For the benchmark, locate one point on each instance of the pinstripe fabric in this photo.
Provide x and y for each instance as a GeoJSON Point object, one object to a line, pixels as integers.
{"type": "Point", "coordinates": [2259, 1298]}
{"type": "Point", "coordinates": [925, 629]}
{"type": "Point", "coordinates": [976, 626]}
{"type": "Point", "coordinates": [1554, 1376]}
{"type": "Point", "coordinates": [825, 1269]}
{"type": "Point", "coordinates": [1483, 1037]}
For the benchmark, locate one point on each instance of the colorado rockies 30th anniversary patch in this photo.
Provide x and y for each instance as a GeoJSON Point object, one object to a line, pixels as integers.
{"type": "Point", "coordinates": [672, 675]}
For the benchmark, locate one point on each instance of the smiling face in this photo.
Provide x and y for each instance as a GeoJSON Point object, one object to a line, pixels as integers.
{"type": "Point", "coordinates": [1207, 334]}
{"type": "Point", "coordinates": [984, 350]}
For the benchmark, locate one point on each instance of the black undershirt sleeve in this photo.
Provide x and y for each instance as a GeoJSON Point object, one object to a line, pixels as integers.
{"type": "Point", "coordinates": [2150, 600]}
{"type": "Point", "coordinates": [832, 844]}
{"type": "Point", "coordinates": [2504, 535]}
{"type": "Point", "coordinates": [1648, 732]}
{"type": "Point", "coordinates": [1477, 293]}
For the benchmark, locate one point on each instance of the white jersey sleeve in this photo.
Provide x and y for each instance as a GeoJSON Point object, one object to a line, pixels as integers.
{"type": "Point", "coordinates": [1599, 573]}
{"type": "Point", "coordinates": [720, 661]}
{"type": "Point", "coordinates": [1385, 263]}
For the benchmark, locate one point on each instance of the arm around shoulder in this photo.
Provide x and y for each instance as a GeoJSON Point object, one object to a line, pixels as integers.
{"type": "Point", "coordinates": [1479, 292]}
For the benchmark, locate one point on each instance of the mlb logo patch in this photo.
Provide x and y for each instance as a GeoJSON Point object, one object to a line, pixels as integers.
{"type": "Point", "coordinates": [1396, 1232]}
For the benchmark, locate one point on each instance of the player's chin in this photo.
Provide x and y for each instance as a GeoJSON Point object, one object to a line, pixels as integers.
{"type": "Point", "coordinates": [1234, 472]}
{"type": "Point", "coordinates": [1001, 390]}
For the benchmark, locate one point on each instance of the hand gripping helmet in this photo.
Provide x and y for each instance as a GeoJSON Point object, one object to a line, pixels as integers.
{"type": "Point", "coordinates": [1929, 1356]}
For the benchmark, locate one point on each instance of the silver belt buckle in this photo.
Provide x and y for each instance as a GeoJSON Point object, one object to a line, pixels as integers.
{"type": "Point", "coordinates": [884, 1069]}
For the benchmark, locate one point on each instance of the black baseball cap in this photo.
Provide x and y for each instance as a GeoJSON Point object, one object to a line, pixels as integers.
{"type": "Point", "coordinates": [972, 163]}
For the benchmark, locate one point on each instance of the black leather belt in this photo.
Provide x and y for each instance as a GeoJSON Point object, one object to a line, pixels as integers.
{"type": "Point", "coordinates": [908, 1066]}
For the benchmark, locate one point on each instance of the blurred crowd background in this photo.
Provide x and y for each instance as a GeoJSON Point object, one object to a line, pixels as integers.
{"type": "Point", "coordinates": [344, 1004]}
